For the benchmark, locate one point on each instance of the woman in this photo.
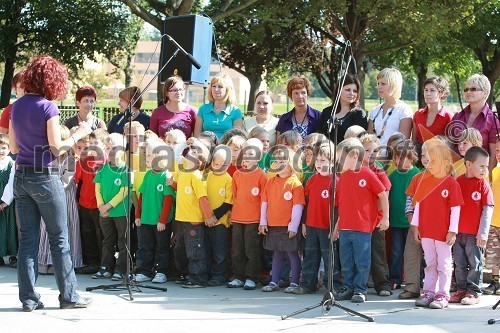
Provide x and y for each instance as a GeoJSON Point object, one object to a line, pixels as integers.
{"type": "Point", "coordinates": [393, 115]}
{"type": "Point", "coordinates": [174, 114]}
{"type": "Point", "coordinates": [17, 86]}
{"type": "Point", "coordinates": [347, 112]}
{"type": "Point", "coordinates": [38, 191]}
{"type": "Point", "coordinates": [479, 115]}
{"type": "Point", "coordinates": [128, 96]}
{"type": "Point", "coordinates": [302, 118]}
{"type": "Point", "coordinates": [220, 114]}
{"type": "Point", "coordinates": [85, 101]}
{"type": "Point", "coordinates": [264, 102]}
{"type": "Point", "coordinates": [433, 119]}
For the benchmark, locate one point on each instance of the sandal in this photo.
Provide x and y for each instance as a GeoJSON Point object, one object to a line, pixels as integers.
{"type": "Point", "coordinates": [291, 288]}
{"type": "Point", "coordinates": [272, 286]}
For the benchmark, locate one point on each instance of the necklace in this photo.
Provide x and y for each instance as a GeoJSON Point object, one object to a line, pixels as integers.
{"type": "Point", "coordinates": [384, 125]}
{"type": "Point", "coordinates": [303, 119]}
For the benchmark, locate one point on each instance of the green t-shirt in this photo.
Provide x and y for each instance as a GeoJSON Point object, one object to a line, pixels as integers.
{"type": "Point", "coordinates": [308, 172]}
{"type": "Point", "coordinates": [265, 162]}
{"type": "Point", "coordinates": [154, 190]}
{"type": "Point", "coordinates": [112, 179]}
{"type": "Point", "coordinates": [397, 197]}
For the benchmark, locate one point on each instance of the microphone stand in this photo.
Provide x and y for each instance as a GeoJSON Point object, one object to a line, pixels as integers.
{"type": "Point", "coordinates": [129, 283]}
{"type": "Point", "coordinates": [328, 300]}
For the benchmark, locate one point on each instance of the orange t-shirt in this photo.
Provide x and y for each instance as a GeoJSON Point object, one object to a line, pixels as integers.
{"type": "Point", "coordinates": [281, 194]}
{"type": "Point", "coordinates": [247, 191]}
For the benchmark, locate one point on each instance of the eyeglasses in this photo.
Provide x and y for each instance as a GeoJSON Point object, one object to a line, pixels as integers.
{"type": "Point", "coordinates": [473, 89]}
{"type": "Point", "coordinates": [176, 90]}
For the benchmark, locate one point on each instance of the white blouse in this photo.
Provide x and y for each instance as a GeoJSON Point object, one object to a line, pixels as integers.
{"type": "Point", "coordinates": [390, 121]}
{"type": "Point", "coordinates": [269, 126]}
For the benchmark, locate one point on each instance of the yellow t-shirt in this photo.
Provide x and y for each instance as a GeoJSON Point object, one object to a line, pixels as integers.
{"type": "Point", "coordinates": [495, 187]}
{"type": "Point", "coordinates": [220, 190]}
{"type": "Point", "coordinates": [139, 169]}
{"type": "Point", "coordinates": [190, 188]}
{"type": "Point", "coordinates": [459, 168]}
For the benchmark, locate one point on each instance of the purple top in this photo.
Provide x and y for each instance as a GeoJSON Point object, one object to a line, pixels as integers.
{"type": "Point", "coordinates": [286, 122]}
{"type": "Point", "coordinates": [29, 117]}
{"type": "Point", "coordinates": [164, 120]}
{"type": "Point", "coordinates": [486, 123]}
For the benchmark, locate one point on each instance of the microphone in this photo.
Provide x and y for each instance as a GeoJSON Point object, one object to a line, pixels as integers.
{"type": "Point", "coordinates": [353, 68]}
{"type": "Point", "coordinates": [188, 55]}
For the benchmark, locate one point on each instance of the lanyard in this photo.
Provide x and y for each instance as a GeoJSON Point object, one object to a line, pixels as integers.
{"type": "Point", "coordinates": [384, 125]}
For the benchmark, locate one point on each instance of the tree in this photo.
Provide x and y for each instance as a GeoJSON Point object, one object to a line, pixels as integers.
{"type": "Point", "coordinates": [69, 30]}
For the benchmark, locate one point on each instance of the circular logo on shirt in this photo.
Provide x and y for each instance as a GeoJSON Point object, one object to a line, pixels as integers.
{"type": "Point", "coordinates": [222, 192]}
{"type": "Point", "coordinates": [325, 194]}
{"type": "Point", "coordinates": [159, 188]}
{"type": "Point", "coordinates": [288, 196]}
{"type": "Point", "coordinates": [476, 196]}
{"type": "Point", "coordinates": [362, 183]}
{"type": "Point", "coordinates": [445, 193]}
{"type": "Point", "coordinates": [188, 190]}
{"type": "Point", "coordinates": [118, 181]}
{"type": "Point", "coordinates": [255, 191]}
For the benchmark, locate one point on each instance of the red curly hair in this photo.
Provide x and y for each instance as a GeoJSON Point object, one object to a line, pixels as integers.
{"type": "Point", "coordinates": [46, 76]}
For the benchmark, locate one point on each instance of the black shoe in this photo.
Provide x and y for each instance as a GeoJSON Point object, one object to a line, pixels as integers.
{"type": "Point", "coordinates": [88, 269]}
{"type": "Point", "coordinates": [181, 279]}
{"type": "Point", "coordinates": [83, 302]}
{"type": "Point", "coordinates": [27, 308]}
{"type": "Point", "coordinates": [193, 285]}
{"type": "Point", "coordinates": [13, 262]}
{"type": "Point", "coordinates": [492, 288]}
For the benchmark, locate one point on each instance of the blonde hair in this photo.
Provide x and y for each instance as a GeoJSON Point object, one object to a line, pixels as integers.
{"type": "Point", "coordinates": [353, 131]}
{"type": "Point", "coordinates": [159, 149]}
{"type": "Point", "coordinates": [149, 134]}
{"type": "Point", "coordinates": [115, 139]}
{"type": "Point", "coordinates": [176, 134]}
{"type": "Point", "coordinates": [99, 134]}
{"type": "Point", "coordinates": [237, 141]}
{"type": "Point", "coordinates": [65, 133]}
{"type": "Point", "coordinates": [473, 136]}
{"type": "Point", "coordinates": [257, 131]}
{"type": "Point", "coordinates": [394, 79]}
{"type": "Point", "coordinates": [253, 143]}
{"type": "Point", "coordinates": [136, 125]}
{"type": "Point", "coordinates": [4, 139]}
{"type": "Point", "coordinates": [348, 147]}
{"type": "Point", "coordinates": [326, 149]}
{"type": "Point", "coordinates": [313, 138]}
{"type": "Point", "coordinates": [482, 81]}
{"type": "Point", "coordinates": [368, 138]}
{"type": "Point", "coordinates": [171, 81]}
{"type": "Point", "coordinates": [226, 81]}
{"type": "Point", "coordinates": [291, 138]}
{"type": "Point", "coordinates": [439, 151]}
{"type": "Point", "coordinates": [293, 159]}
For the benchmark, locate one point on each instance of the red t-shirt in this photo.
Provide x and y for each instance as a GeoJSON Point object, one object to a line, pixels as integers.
{"type": "Point", "coordinates": [384, 179]}
{"type": "Point", "coordinates": [476, 194]}
{"type": "Point", "coordinates": [5, 118]}
{"type": "Point", "coordinates": [319, 192]}
{"type": "Point", "coordinates": [232, 169]}
{"type": "Point", "coordinates": [436, 197]}
{"type": "Point", "coordinates": [247, 191]}
{"type": "Point", "coordinates": [357, 195]}
{"type": "Point", "coordinates": [282, 194]}
{"type": "Point", "coordinates": [86, 168]}
{"type": "Point", "coordinates": [438, 127]}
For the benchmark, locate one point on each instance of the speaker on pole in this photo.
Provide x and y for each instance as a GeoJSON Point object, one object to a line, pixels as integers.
{"type": "Point", "coordinates": [194, 33]}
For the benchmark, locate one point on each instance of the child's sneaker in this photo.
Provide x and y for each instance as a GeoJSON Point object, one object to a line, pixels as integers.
{"type": "Point", "coordinates": [139, 278]}
{"type": "Point", "coordinates": [102, 274]}
{"type": "Point", "coordinates": [181, 279]}
{"type": "Point", "coordinates": [358, 298]}
{"type": "Point", "coordinates": [492, 288]}
{"type": "Point", "coordinates": [301, 291]}
{"type": "Point", "coordinates": [160, 278]}
{"type": "Point", "coordinates": [117, 276]}
{"type": "Point", "coordinates": [424, 300]}
{"type": "Point", "coordinates": [291, 288]}
{"type": "Point", "coordinates": [344, 294]}
{"type": "Point", "coordinates": [249, 285]}
{"type": "Point", "coordinates": [236, 283]}
{"type": "Point", "coordinates": [272, 286]}
{"type": "Point", "coordinates": [470, 299]}
{"type": "Point", "coordinates": [458, 296]}
{"type": "Point", "coordinates": [192, 285]}
{"type": "Point", "coordinates": [439, 302]}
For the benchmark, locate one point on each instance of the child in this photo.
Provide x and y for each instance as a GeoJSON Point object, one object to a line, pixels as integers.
{"type": "Point", "coordinates": [379, 267]}
{"type": "Point", "coordinates": [493, 245]}
{"type": "Point", "coordinates": [91, 159]}
{"type": "Point", "coordinates": [357, 195]}
{"type": "Point", "coordinates": [470, 137]}
{"type": "Point", "coordinates": [175, 137]}
{"type": "Point", "coordinates": [209, 139]}
{"type": "Point", "coordinates": [192, 209]}
{"type": "Point", "coordinates": [473, 227]}
{"type": "Point", "coordinates": [111, 192]}
{"type": "Point", "coordinates": [405, 156]}
{"type": "Point", "coordinates": [220, 195]}
{"type": "Point", "coordinates": [261, 134]}
{"type": "Point", "coordinates": [235, 144]}
{"type": "Point", "coordinates": [292, 140]}
{"type": "Point", "coordinates": [354, 131]}
{"type": "Point", "coordinates": [153, 215]}
{"type": "Point", "coordinates": [310, 144]}
{"type": "Point", "coordinates": [435, 223]}
{"type": "Point", "coordinates": [8, 229]}
{"type": "Point", "coordinates": [282, 204]}
{"type": "Point", "coordinates": [316, 230]}
{"type": "Point", "coordinates": [248, 185]}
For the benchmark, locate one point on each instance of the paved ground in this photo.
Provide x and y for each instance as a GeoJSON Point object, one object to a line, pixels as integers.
{"type": "Point", "coordinates": [219, 309]}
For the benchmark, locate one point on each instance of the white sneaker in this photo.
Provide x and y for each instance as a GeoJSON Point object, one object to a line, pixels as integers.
{"type": "Point", "coordinates": [236, 283]}
{"type": "Point", "coordinates": [142, 278]}
{"type": "Point", "coordinates": [160, 278]}
{"type": "Point", "coordinates": [249, 285]}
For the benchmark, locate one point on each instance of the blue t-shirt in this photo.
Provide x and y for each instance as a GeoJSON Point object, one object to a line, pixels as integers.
{"type": "Point", "coordinates": [29, 117]}
{"type": "Point", "coordinates": [219, 123]}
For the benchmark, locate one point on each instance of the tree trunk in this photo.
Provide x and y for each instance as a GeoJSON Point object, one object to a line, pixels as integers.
{"type": "Point", "coordinates": [255, 81]}
{"type": "Point", "coordinates": [457, 83]}
{"type": "Point", "coordinates": [422, 75]}
{"type": "Point", "coordinates": [7, 82]}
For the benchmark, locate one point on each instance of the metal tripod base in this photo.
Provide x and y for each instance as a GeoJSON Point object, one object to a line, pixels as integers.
{"type": "Point", "coordinates": [328, 303]}
{"type": "Point", "coordinates": [126, 284]}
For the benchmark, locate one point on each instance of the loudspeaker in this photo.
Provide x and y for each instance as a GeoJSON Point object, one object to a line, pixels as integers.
{"type": "Point", "coordinates": [194, 33]}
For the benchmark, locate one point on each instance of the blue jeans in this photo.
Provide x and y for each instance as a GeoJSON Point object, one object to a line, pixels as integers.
{"type": "Point", "coordinates": [42, 195]}
{"type": "Point", "coordinates": [468, 263]}
{"type": "Point", "coordinates": [216, 240]}
{"type": "Point", "coordinates": [317, 247]}
{"type": "Point", "coordinates": [355, 259]}
{"type": "Point", "coordinates": [398, 241]}
{"type": "Point", "coordinates": [153, 244]}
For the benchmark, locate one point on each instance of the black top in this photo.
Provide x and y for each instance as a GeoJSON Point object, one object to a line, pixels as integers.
{"type": "Point", "coordinates": [356, 116]}
{"type": "Point", "coordinates": [115, 127]}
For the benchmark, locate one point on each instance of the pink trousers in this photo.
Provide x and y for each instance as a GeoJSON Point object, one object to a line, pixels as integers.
{"type": "Point", "coordinates": [439, 267]}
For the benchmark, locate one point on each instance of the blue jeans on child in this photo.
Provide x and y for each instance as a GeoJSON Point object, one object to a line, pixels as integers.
{"type": "Point", "coordinates": [317, 247]}
{"type": "Point", "coordinates": [42, 195]}
{"type": "Point", "coordinates": [355, 259]}
{"type": "Point", "coordinates": [216, 240]}
{"type": "Point", "coordinates": [153, 244]}
{"type": "Point", "coordinates": [468, 263]}
{"type": "Point", "coordinates": [398, 241]}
